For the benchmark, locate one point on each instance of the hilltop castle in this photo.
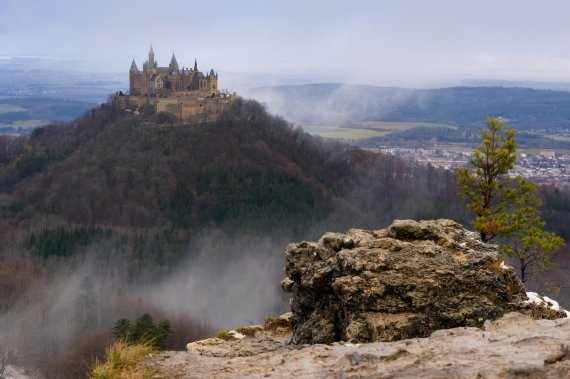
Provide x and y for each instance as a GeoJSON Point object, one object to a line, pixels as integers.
{"type": "Point", "coordinates": [183, 92]}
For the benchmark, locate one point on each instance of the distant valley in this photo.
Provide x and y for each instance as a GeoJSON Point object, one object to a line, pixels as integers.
{"type": "Point", "coordinates": [35, 91]}
{"type": "Point", "coordinates": [20, 115]}
{"type": "Point", "coordinates": [422, 117]}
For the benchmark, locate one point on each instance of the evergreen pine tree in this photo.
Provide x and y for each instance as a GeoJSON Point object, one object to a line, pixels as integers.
{"type": "Point", "coordinates": [506, 208]}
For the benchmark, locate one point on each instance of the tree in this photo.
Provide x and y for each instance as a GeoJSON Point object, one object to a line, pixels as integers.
{"type": "Point", "coordinates": [86, 305]}
{"type": "Point", "coordinates": [505, 207]}
{"type": "Point", "coordinates": [121, 329]}
{"type": "Point", "coordinates": [487, 188]}
{"type": "Point", "coordinates": [3, 358]}
{"type": "Point", "coordinates": [143, 330]}
{"type": "Point", "coordinates": [526, 242]}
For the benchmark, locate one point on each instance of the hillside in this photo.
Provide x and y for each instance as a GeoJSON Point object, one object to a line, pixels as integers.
{"type": "Point", "coordinates": [118, 170]}
{"type": "Point", "coordinates": [114, 215]}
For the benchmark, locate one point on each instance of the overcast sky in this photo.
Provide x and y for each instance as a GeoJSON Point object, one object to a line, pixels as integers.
{"type": "Point", "coordinates": [399, 42]}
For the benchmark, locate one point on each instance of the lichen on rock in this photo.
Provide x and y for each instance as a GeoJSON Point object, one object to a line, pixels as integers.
{"type": "Point", "coordinates": [402, 282]}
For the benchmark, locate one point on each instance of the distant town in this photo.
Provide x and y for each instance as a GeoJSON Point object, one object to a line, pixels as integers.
{"type": "Point", "coordinates": [544, 167]}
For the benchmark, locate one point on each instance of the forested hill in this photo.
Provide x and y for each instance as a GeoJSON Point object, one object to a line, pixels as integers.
{"type": "Point", "coordinates": [115, 215]}
{"type": "Point", "coordinates": [248, 172]}
{"type": "Point", "coordinates": [249, 169]}
{"type": "Point", "coordinates": [334, 104]}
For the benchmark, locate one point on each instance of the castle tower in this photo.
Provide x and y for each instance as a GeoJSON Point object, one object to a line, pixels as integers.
{"type": "Point", "coordinates": [173, 63]}
{"type": "Point", "coordinates": [134, 67]}
{"type": "Point", "coordinates": [212, 82]}
{"type": "Point", "coordinates": [135, 78]}
{"type": "Point", "coordinates": [195, 65]}
{"type": "Point", "coordinates": [151, 61]}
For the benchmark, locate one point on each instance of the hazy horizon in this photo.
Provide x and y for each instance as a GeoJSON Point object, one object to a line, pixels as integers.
{"type": "Point", "coordinates": [406, 43]}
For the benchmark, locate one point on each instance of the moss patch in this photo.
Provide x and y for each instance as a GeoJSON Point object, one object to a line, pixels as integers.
{"type": "Point", "coordinates": [274, 323]}
{"type": "Point", "coordinates": [248, 331]}
{"type": "Point", "coordinates": [225, 335]}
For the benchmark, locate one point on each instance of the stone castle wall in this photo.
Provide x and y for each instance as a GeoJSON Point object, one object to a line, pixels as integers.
{"type": "Point", "coordinates": [184, 108]}
{"type": "Point", "coordinates": [185, 93]}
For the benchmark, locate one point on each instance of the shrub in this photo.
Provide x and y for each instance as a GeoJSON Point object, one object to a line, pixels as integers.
{"type": "Point", "coordinates": [121, 359]}
{"type": "Point", "coordinates": [143, 330]}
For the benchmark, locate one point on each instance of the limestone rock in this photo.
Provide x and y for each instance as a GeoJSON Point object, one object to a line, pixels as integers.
{"type": "Point", "coordinates": [513, 346]}
{"type": "Point", "coordinates": [406, 281]}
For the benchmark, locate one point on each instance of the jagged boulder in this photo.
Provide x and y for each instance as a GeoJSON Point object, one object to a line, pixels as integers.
{"type": "Point", "coordinates": [405, 281]}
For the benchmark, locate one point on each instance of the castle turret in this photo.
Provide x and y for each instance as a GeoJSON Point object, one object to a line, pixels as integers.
{"type": "Point", "coordinates": [134, 66]}
{"type": "Point", "coordinates": [135, 79]}
{"type": "Point", "coordinates": [151, 61]}
{"type": "Point", "coordinates": [195, 65]}
{"type": "Point", "coordinates": [173, 63]}
{"type": "Point", "coordinates": [149, 67]}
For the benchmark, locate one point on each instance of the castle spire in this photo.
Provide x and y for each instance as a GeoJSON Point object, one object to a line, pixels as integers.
{"type": "Point", "coordinates": [151, 57]}
{"type": "Point", "coordinates": [195, 65]}
{"type": "Point", "coordinates": [173, 63]}
{"type": "Point", "coordinates": [134, 66]}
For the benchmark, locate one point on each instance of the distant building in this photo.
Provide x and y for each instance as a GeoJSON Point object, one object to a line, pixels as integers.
{"type": "Point", "coordinates": [186, 93]}
{"type": "Point", "coordinates": [548, 154]}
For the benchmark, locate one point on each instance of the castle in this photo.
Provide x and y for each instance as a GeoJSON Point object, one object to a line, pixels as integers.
{"type": "Point", "coordinates": [183, 92]}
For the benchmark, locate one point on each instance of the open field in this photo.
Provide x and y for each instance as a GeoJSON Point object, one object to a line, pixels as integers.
{"type": "Point", "coordinates": [558, 138]}
{"type": "Point", "coordinates": [328, 131]}
{"type": "Point", "coordinates": [26, 124]}
{"type": "Point", "coordinates": [368, 129]}
{"type": "Point", "coordinates": [390, 126]}
{"type": "Point", "coordinates": [7, 108]}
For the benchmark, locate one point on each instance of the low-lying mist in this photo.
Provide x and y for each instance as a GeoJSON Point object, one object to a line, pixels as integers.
{"type": "Point", "coordinates": [336, 104]}
{"type": "Point", "coordinates": [230, 281]}
{"type": "Point", "coordinates": [66, 317]}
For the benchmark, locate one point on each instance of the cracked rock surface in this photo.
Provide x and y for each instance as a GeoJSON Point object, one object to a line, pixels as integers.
{"type": "Point", "coordinates": [402, 282]}
{"type": "Point", "coordinates": [513, 346]}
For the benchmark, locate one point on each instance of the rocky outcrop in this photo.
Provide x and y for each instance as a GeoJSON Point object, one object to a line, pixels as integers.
{"type": "Point", "coordinates": [429, 279]}
{"type": "Point", "coordinates": [406, 281]}
{"type": "Point", "coordinates": [513, 346]}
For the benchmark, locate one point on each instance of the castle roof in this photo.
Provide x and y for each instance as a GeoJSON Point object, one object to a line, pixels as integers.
{"type": "Point", "coordinates": [134, 65]}
{"type": "Point", "coordinates": [173, 60]}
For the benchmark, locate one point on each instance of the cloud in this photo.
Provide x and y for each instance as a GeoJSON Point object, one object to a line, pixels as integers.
{"type": "Point", "coordinates": [367, 42]}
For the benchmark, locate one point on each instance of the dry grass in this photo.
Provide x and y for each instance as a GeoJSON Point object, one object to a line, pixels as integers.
{"type": "Point", "coordinates": [121, 361]}
{"type": "Point", "coordinates": [225, 335]}
{"type": "Point", "coordinates": [274, 323]}
{"type": "Point", "coordinates": [248, 331]}
{"type": "Point", "coordinates": [541, 311]}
